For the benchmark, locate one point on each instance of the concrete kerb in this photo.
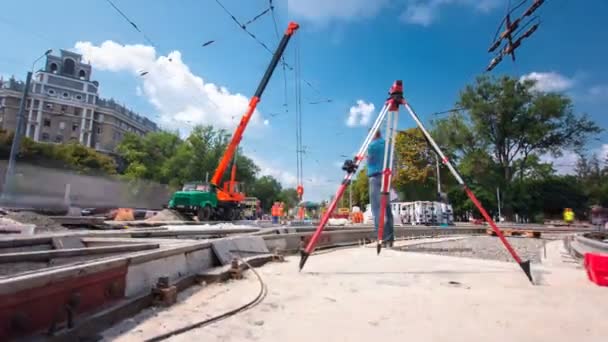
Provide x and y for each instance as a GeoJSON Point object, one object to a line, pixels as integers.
{"type": "Point", "coordinates": [188, 258]}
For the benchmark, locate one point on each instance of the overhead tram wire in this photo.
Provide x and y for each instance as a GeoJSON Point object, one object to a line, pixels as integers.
{"type": "Point", "coordinates": [132, 23]}
{"type": "Point", "coordinates": [509, 11]}
{"type": "Point", "coordinates": [298, 105]}
{"type": "Point", "coordinates": [276, 31]}
{"type": "Point", "coordinates": [242, 27]}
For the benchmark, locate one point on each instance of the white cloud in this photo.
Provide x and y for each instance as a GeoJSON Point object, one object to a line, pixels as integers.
{"type": "Point", "coordinates": [563, 165]}
{"type": "Point", "coordinates": [566, 164]}
{"type": "Point", "coordinates": [421, 12]}
{"type": "Point", "coordinates": [177, 94]}
{"type": "Point", "coordinates": [599, 91]}
{"type": "Point", "coordinates": [316, 188]}
{"type": "Point", "coordinates": [360, 114]}
{"type": "Point", "coordinates": [549, 81]}
{"type": "Point", "coordinates": [603, 153]}
{"type": "Point", "coordinates": [324, 10]}
{"type": "Point", "coordinates": [286, 178]}
{"type": "Point", "coordinates": [425, 12]}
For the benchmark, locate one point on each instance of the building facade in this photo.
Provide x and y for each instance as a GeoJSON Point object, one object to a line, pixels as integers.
{"type": "Point", "coordinates": [63, 105]}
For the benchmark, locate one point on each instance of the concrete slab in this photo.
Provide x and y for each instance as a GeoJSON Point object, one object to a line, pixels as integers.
{"type": "Point", "coordinates": [354, 295]}
{"type": "Point", "coordinates": [229, 248]}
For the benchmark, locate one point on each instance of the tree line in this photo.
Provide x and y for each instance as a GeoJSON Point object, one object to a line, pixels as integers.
{"type": "Point", "coordinates": [161, 157]}
{"type": "Point", "coordinates": [497, 140]}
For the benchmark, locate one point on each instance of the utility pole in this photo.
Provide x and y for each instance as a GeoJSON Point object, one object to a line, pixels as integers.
{"type": "Point", "coordinates": [438, 178]}
{"type": "Point", "coordinates": [7, 187]}
{"type": "Point", "coordinates": [19, 130]}
{"type": "Point", "coordinates": [498, 199]}
{"type": "Point", "coordinates": [350, 198]}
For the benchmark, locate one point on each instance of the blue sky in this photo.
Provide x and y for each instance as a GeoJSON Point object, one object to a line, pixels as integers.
{"type": "Point", "coordinates": [351, 50]}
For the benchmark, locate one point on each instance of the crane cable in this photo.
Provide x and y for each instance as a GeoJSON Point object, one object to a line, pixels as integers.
{"type": "Point", "coordinates": [276, 31]}
{"type": "Point", "coordinates": [298, 103]}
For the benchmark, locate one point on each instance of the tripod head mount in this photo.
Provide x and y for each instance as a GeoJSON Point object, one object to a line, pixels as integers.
{"type": "Point", "coordinates": [395, 96]}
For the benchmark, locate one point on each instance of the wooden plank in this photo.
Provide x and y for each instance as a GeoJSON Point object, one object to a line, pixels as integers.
{"type": "Point", "coordinates": [67, 242]}
{"type": "Point", "coordinates": [24, 241]}
{"type": "Point", "coordinates": [70, 252]}
{"type": "Point", "coordinates": [79, 220]}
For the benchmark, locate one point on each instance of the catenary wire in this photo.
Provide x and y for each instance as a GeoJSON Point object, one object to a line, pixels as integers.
{"type": "Point", "coordinates": [509, 11]}
{"type": "Point", "coordinates": [132, 23]}
{"type": "Point", "coordinates": [240, 25]}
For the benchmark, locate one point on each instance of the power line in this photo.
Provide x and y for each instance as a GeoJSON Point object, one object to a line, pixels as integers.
{"type": "Point", "coordinates": [257, 17]}
{"type": "Point", "coordinates": [276, 31]}
{"type": "Point", "coordinates": [242, 27]}
{"type": "Point", "coordinates": [509, 11]}
{"type": "Point", "coordinates": [132, 23]}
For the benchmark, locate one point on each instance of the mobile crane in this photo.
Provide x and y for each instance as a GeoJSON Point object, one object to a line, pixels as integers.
{"type": "Point", "coordinates": [209, 201]}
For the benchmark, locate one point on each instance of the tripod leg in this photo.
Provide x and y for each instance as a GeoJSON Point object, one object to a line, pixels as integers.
{"type": "Point", "coordinates": [525, 265]}
{"type": "Point", "coordinates": [387, 177]}
{"type": "Point", "coordinates": [382, 212]}
{"type": "Point", "coordinates": [351, 169]}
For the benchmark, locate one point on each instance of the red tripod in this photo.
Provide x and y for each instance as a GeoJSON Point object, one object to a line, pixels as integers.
{"type": "Point", "coordinates": [350, 166]}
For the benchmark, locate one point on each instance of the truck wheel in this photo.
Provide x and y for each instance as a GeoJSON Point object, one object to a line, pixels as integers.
{"type": "Point", "coordinates": [204, 213]}
{"type": "Point", "coordinates": [230, 214]}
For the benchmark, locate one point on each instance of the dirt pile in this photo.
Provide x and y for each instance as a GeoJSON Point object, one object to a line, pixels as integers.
{"type": "Point", "coordinates": [44, 224]}
{"type": "Point", "coordinates": [167, 215]}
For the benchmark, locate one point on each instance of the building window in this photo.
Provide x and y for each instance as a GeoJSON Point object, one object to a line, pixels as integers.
{"type": "Point", "coordinates": [36, 103]}
{"type": "Point", "coordinates": [66, 95]}
{"type": "Point", "coordinates": [46, 123]}
{"type": "Point", "coordinates": [48, 106]}
{"type": "Point", "coordinates": [99, 130]}
{"type": "Point", "coordinates": [28, 103]}
{"type": "Point", "coordinates": [51, 92]}
{"type": "Point", "coordinates": [82, 74]}
{"type": "Point", "coordinates": [77, 111]}
{"type": "Point", "coordinates": [78, 97]}
{"type": "Point", "coordinates": [69, 66]}
{"type": "Point", "coordinates": [59, 139]}
{"type": "Point", "coordinates": [45, 137]}
{"type": "Point", "coordinates": [62, 125]}
{"type": "Point", "coordinates": [53, 68]}
{"type": "Point", "coordinates": [74, 126]}
{"type": "Point", "coordinates": [64, 108]}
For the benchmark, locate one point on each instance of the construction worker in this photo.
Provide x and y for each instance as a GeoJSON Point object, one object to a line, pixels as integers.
{"type": "Point", "coordinates": [275, 213]}
{"type": "Point", "coordinates": [568, 216]}
{"type": "Point", "coordinates": [375, 161]}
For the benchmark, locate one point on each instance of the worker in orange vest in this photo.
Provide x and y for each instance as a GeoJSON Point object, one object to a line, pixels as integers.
{"type": "Point", "coordinates": [274, 211]}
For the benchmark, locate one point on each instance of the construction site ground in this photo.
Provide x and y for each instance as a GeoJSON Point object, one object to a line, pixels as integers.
{"type": "Point", "coordinates": [351, 294]}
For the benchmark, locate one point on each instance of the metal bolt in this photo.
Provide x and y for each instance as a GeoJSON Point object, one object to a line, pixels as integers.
{"type": "Point", "coordinates": [19, 322]}
{"type": "Point", "coordinates": [113, 290]}
{"type": "Point", "coordinates": [74, 300]}
{"type": "Point", "coordinates": [163, 282]}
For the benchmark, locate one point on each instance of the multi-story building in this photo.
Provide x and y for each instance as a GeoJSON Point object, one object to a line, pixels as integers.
{"type": "Point", "coordinates": [63, 105]}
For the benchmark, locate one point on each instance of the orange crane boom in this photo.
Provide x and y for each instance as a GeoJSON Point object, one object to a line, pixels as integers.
{"type": "Point", "coordinates": [238, 134]}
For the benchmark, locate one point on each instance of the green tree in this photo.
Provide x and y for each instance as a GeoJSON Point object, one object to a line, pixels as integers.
{"type": "Point", "coordinates": [509, 121]}
{"type": "Point", "coordinates": [360, 189]}
{"type": "Point", "coordinates": [289, 196]}
{"type": "Point", "coordinates": [267, 189]}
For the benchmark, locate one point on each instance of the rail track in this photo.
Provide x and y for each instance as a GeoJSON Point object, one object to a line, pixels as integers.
{"type": "Point", "coordinates": [71, 297]}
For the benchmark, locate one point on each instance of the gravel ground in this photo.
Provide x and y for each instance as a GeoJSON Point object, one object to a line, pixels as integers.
{"type": "Point", "coordinates": [167, 215]}
{"type": "Point", "coordinates": [43, 223]}
{"type": "Point", "coordinates": [483, 247]}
